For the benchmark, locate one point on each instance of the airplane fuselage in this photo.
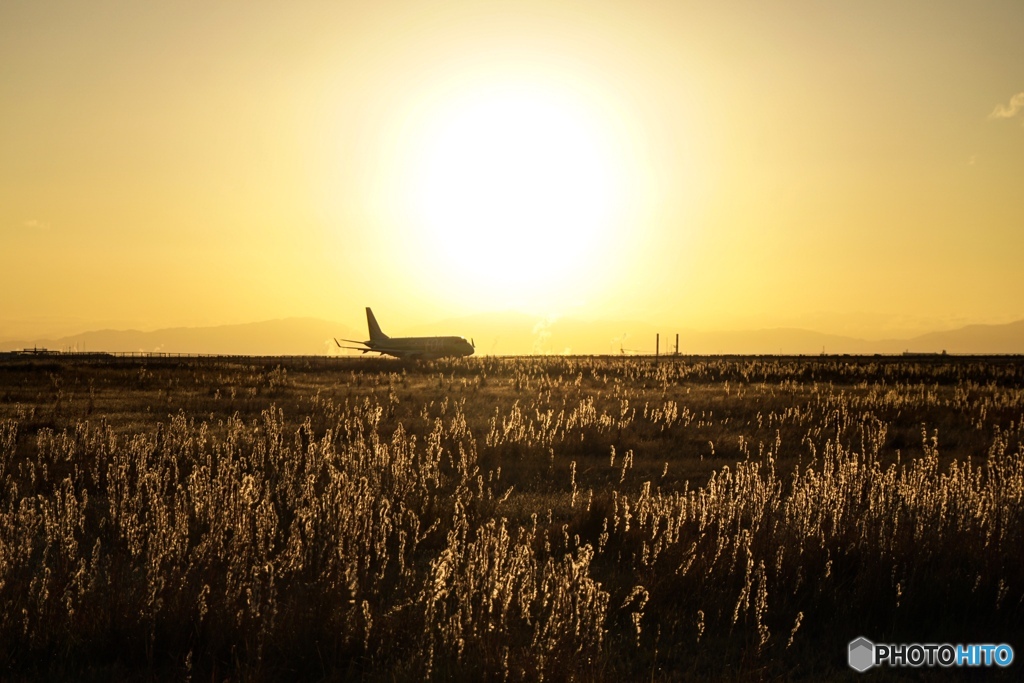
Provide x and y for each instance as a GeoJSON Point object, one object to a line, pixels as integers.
{"type": "Point", "coordinates": [410, 348]}
{"type": "Point", "coordinates": [422, 348]}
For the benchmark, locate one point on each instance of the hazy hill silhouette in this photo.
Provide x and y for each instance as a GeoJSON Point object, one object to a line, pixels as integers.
{"type": "Point", "coordinates": [519, 334]}
{"type": "Point", "coordinates": [1007, 338]}
{"type": "Point", "coordinates": [290, 336]}
{"type": "Point", "coordinates": [516, 333]}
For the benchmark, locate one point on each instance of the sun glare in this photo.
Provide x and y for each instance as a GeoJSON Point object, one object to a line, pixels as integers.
{"type": "Point", "coordinates": [515, 191]}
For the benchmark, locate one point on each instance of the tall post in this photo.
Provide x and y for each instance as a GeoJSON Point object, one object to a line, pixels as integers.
{"type": "Point", "coordinates": [677, 343]}
{"type": "Point", "coordinates": [657, 343]}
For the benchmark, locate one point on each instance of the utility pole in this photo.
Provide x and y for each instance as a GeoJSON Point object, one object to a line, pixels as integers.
{"type": "Point", "coordinates": [677, 343]}
{"type": "Point", "coordinates": [657, 343]}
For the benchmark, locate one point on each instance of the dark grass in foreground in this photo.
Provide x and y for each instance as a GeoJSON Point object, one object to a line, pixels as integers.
{"type": "Point", "coordinates": [564, 518]}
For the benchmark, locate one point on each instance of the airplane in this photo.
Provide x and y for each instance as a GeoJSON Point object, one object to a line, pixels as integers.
{"type": "Point", "coordinates": [409, 348]}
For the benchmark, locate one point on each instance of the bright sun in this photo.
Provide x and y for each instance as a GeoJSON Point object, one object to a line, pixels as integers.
{"type": "Point", "coordinates": [515, 190]}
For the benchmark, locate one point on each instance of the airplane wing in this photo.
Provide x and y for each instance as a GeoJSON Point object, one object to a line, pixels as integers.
{"type": "Point", "coordinates": [396, 352]}
{"type": "Point", "coordinates": [408, 354]}
{"type": "Point", "coordinates": [354, 348]}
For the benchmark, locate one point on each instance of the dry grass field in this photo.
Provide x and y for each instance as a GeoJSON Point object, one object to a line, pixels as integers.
{"type": "Point", "coordinates": [503, 519]}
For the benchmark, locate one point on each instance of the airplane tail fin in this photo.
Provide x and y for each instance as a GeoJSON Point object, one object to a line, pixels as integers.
{"type": "Point", "coordinates": [375, 333]}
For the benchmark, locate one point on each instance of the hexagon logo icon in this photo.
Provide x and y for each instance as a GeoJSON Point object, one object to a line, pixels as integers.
{"type": "Point", "coordinates": [862, 654]}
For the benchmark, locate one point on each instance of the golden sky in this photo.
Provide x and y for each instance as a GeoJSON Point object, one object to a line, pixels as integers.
{"type": "Point", "coordinates": [848, 167]}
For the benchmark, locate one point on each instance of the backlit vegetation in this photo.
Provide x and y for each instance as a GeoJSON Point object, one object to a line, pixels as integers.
{"type": "Point", "coordinates": [517, 519]}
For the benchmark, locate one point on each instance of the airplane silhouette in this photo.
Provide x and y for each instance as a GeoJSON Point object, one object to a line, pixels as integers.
{"type": "Point", "coordinates": [409, 348]}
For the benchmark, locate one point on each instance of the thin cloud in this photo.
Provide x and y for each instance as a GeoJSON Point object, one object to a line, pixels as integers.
{"type": "Point", "coordinates": [35, 224]}
{"type": "Point", "coordinates": [1008, 111]}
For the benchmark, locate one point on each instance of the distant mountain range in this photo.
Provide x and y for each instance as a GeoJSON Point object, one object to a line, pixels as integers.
{"type": "Point", "coordinates": [287, 337]}
{"type": "Point", "coordinates": [517, 334]}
